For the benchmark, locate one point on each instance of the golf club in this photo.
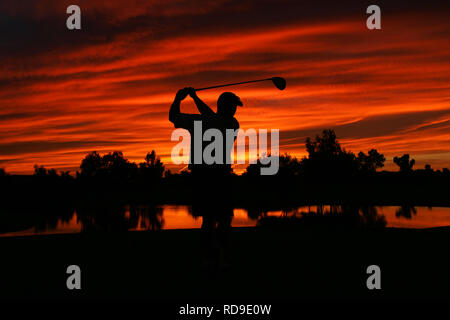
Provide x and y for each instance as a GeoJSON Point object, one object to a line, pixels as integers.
{"type": "Point", "coordinates": [279, 82]}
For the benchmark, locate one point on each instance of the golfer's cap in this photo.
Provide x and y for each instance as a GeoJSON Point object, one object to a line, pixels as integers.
{"type": "Point", "coordinates": [230, 97]}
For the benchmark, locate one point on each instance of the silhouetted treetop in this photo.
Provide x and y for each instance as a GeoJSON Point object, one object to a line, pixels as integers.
{"type": "Point", "coordinates": [326, 144]}
{"type": "Point", "coordinates": [152, 167]}
{"type": "Point", "coordinates": [372, 161]}
{"type": "Point", "coordinates": [289, 166]}
{"type": "Point", "coordinates": [41, 171]}
{"type": "Point", "coordinates": [404, 163]}
{"type": "Point", "coordinates": [114, 167]}
{"type": "Point", "coordinates": [327, 159]}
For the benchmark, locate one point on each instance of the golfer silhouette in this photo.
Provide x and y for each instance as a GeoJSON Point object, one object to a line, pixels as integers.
{"type": "Point", "coordinates": [212, 182]}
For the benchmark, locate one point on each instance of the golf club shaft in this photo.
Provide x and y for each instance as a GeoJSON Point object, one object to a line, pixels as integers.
{"type": "Point", "coordinates": [232, 84]}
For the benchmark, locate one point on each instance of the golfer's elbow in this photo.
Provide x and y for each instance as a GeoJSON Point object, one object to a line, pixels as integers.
{"type": "Point", "coordinates": [173, 112]}
{"type": "Point", "coordinates": [173, 118]}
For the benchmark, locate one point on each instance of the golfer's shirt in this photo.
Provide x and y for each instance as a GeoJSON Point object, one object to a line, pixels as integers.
{"type": "Point", "coordinates": [197, 125]}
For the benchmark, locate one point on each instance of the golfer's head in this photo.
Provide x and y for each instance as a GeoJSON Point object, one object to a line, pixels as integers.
{"type": "Point", "coordinates": [227, 104]}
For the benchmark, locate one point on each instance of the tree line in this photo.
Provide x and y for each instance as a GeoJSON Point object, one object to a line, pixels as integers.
{"type": "Point", "coordinates": [328, 174]}
{"type": "Point", "coordinates": [326, 158]}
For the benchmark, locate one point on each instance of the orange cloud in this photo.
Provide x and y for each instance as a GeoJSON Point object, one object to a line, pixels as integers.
{"type": "Point", "coordinates": [110, 88]}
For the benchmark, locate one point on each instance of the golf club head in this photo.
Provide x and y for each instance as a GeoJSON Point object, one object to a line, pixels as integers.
{"type": "Point", "coordinates": [279, 82]}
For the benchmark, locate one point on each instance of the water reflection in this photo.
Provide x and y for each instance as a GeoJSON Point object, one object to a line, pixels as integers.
{"type": "Point", "coordinates": [120, 218]}
{"type": "Point", "coordinates": [321, 216]}
{"type": "Point", "coordinates": [406, 211]}
{"type": "Point", "coordinates": [146, 217]}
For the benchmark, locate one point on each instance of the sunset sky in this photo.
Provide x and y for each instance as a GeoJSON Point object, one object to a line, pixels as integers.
{"type": "Point", "coordinates": [109, 86]}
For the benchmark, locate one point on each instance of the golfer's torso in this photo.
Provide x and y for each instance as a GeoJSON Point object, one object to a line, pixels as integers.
{"type": "Point", "coordinates": [204, 145]}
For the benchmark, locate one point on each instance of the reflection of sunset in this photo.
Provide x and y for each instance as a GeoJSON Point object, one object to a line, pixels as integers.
{"type": "Point", "coordinates": [62, 227]}
{"type": "Point", "coordinates": [110, 86]}
{"type": "Point", "coordinates": [179, 217]}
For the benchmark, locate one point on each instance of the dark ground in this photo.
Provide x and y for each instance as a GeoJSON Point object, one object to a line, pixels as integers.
{"type": "Point", "coordinates": [267, 264]}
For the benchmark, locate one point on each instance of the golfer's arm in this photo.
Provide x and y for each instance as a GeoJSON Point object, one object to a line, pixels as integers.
{"type": "Point", "coordinates": [174, 111]}
{"type": "Point", "coordinates": [202, 107]}
{"type": "Point", "coordinates": [181, 120]}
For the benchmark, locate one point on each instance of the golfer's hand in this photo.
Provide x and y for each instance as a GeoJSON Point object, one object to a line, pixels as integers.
{"type": "Point", "coordinates": [182, 94]}
{"type": "Point", "coordinates": [191, 92]}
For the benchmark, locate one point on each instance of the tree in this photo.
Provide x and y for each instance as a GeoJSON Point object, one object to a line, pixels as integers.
{"type": "Point", "coordinates": [117, 166]}
{"type": "Point", "coordinates": [111, 167]}
{"type": "Point", "coordinates": [372, 161]}
{"type": "Point", "coordinates": [152, 168]}
{"type": "Point", "coordinates": [91, 165]}
{"type": "Point", "coordinates": [327, 159]}
{"type": "Point", "coordinates": [40, 171]}
{"type": "Point", "coordinates": [289, 166]}
{"type": "Point", "coordinates": [326, 144]}
{"type": "Point", "coordinates": [404, 163]}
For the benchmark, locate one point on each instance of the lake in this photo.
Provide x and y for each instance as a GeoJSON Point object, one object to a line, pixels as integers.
{"type": "Point", "coordinates": [181, 217]}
